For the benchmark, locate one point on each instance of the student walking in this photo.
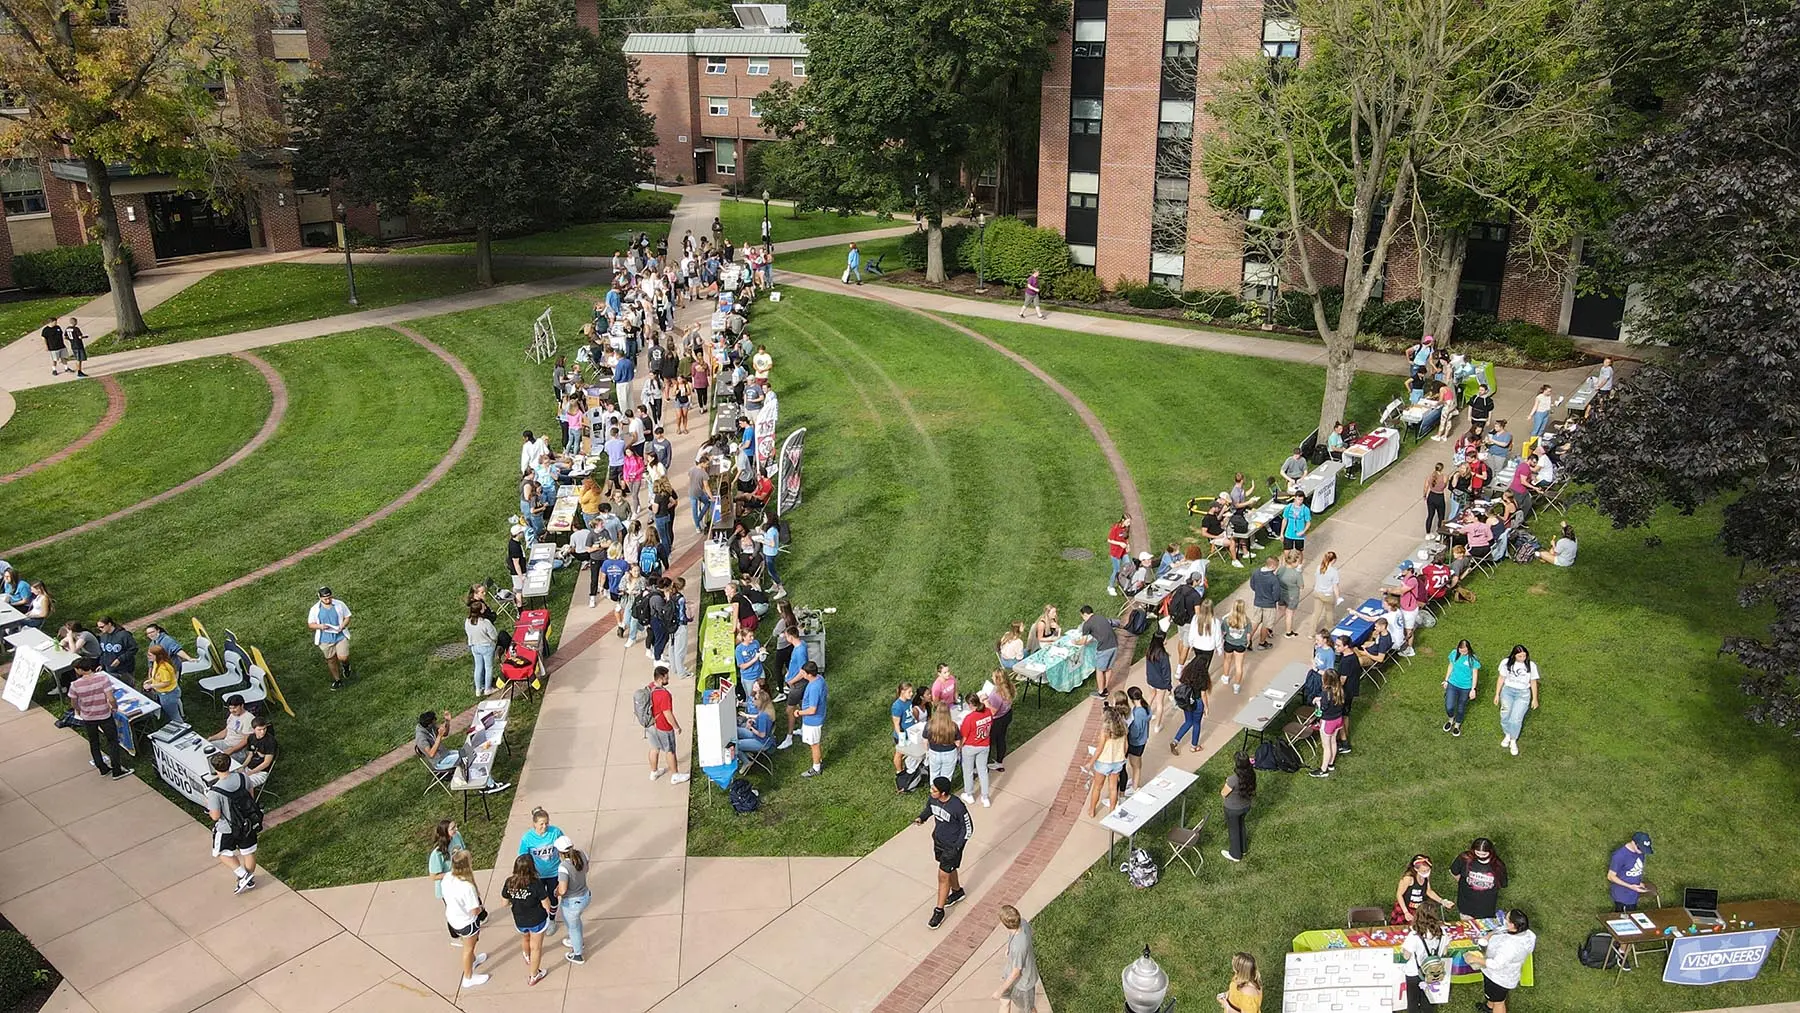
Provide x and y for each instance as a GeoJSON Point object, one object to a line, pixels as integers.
{"type": "Point", "coordinates": [1192, 695]}
{"type": "Point", "coordinates": [1018, 990]}
{"type": "Point", "coordinates": [53, 343]}
{"type": "Point", "coordinates": [1515, 693]}
{"type": "Point", "coordinates": [853, 265]}
{"type": "Point", "coordinates": [1460, 677]}
{"type": "Point", "coordinates": [77, 345]}
{"type": "Point", "coordinates": [572, 895]}
{"type": "Point", "coordinates": [530, 900]}
{"type": "Point", "coordinates": [951, 832]}
{"type": "Point", "coordinates": [329, 619]}
{"type": "Point", "coordinates": [465, 914]}
{"type": "Point", "coordinates": [1033, 287]}
{"type": "Point", "coordinates": [236, 821]}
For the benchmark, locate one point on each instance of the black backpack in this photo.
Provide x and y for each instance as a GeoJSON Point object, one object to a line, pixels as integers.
{"type": "Point", "coordinates": [1596, 951]}
{"type": "Point", "coordinates": [243, 811]}
{"type": "Point", "coordinates": [640, 609]}
{"type": "Point", "coordinates": [744, 798]}
{"type": "Point", "coordinates": [1137, 622]}
{"type": "Point", "coordinates": [662, 609]}
{"type": "Point", "coordinates": [1276, 755]}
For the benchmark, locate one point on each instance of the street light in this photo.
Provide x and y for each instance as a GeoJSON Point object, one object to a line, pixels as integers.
{"type": "Point", "coordinates": [766, 230]}
{"type": "Point", "coordinates": [344, 241]}
{"type": "Point", "coordinates": [1145, 986]}
{"type": "Point", "coordinates": [981, 248]}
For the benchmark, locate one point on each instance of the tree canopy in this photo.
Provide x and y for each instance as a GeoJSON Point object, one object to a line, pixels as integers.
{"type": "Point", "coordinates": [487, 115]}
{"type": "Point", "coordinates": [1713, 235]}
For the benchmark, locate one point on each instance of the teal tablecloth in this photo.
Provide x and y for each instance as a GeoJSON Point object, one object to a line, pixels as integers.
{"type": "Point", "coordinates": [1064, 663]}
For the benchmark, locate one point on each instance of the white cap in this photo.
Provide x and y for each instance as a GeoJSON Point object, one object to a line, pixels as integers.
{"type": "Point", "coordinates": [564, 844]}
{"type": "Point", "coordinates": [518, 529]}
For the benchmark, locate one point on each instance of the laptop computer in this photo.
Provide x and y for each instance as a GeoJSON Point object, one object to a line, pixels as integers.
{"type": "Point", "coordinates": [1702, 906]}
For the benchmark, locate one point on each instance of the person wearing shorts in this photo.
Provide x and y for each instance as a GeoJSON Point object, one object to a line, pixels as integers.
{"type": "Point", "coordinates": [53, 343]}
{"type": "Point", "coordinates": [329, 619]}
{"type": "Point", "coordinates": [1296, 520]}
{"type": "Point", "coordinates": [530, 899]}
{"type": "Point", "coordinates": [233, 846]}
{"type": "Point", "coordinates": [663, 728]}
{"type": "Point", "coordinates": [1502, 960]}
{"type": "Point", "coordinates": [949, 835]}
{"type": "Point", "coordinates": [812, 716]}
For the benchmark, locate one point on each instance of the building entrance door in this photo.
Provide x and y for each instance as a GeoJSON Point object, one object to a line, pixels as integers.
{"type": "Point", "coordinates": [184, 224]}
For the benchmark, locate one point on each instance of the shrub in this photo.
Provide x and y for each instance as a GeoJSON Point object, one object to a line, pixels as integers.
{"type": "Point", "coordinates": [1214, 305]}
{"type": "Point", "coordinates": [912, 247]}
{"type": "Point", "coordinates": [645, 204]}
{"type": "Point", "coordinates": [1015, 249]}
{"type": "Point", "coordinates": [1294, 309]}
{"type": "Point", "coordinates": [1547, 347]}
{"type": "Point", "coordinates": [1153, 297]}
{"type": "Point", "coordinates": [1077, 285]}
{"type": "Point", "coordinates": [1476, 327]}
{"type": "Point", "coordinates": [1403, 318]}
{"type": "Point", "coordinates": [23, 971]}
{"type": "Point", "coordinates": [1125, 286]}
{"type": "Point", "coordinates": [65, 270]}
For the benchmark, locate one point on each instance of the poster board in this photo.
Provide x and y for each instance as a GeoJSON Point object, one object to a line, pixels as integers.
{"type": "Point", "coordinates": [273, 688]}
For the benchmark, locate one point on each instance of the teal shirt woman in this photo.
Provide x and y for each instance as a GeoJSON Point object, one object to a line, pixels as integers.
{"type": "Point", "coordinates": [1459, 685]}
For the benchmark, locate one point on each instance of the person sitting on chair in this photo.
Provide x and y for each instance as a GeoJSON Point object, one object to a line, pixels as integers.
{"type": "Point", "coordinates": [1379, 647]}
{"type": "Point", "coordinates": [259, 752]}
{"type": "Point", "coordinates": [238, 726]}
{"type": "Point", "coordinates": [428, 739]}
{"type": "Point", "coordinates": [756, 732]}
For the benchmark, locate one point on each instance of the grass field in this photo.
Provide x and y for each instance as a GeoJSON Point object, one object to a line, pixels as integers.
{"type": "Point", "coordinates": [179, 421]}
{"type": "Point", "coordinates": [828, 261]}
{"type": "Point", "coordinates": [942, 485]}
{"type": "Point", "coordinates": [594, 239]}
{"type": "Point", "coordinates": [1640, 728]}
{"type": "Point", "coordinates": [743, 222]}
{"type": "Point", "coordinates": [349, 445]}
{"type": "Point", "coordinates": [47, 419]}
{"type": "Point", "coordinates": [263, 295]}
{"type": "Point", "coordinates": [25, 317]}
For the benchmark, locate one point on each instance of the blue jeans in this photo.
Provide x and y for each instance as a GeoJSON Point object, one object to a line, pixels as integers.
{"type": "Point", "coordinates": [856, 271]}
{"type": "Point", "coordinates": [1456, 702]}
{"type": "Point", "coordinates": [569, 911]}
{"type": "Point", "coordinates": [749, 743]}
{"type": "Point", "coordinates": [484, 668]}
{"type": "Point", "coordinates": [1117, 563]}
{"type": "Point", "coordinates": [702, 506]}
{"type": "Point", "coordinates": [171, 705]}
{"type": "Point", "coordinates": [1539, 422]}
{"type": "Point", "coordinates": [769, 569]}
{"type": "Point", "coordinates": [941, 763]}
{"type": "Point", "coordinates": [1191, 719]}
{"type": "Point", "coordinates": [1513, 705]}
{"type": "Point", "coordinates": [665, 537]}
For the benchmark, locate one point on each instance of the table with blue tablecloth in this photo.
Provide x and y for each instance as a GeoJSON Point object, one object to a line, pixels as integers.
{"type": "Point", "coordinates": [1360, 622]}
{"type": "Point", "coordinates": [1062, 664]}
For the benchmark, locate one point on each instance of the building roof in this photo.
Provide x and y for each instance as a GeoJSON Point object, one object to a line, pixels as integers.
{"type": "Point", "coordinates": [716, 42]}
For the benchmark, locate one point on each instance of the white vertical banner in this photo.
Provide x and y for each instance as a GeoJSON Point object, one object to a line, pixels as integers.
{"type": "Point", "coordinates": [765, 431]}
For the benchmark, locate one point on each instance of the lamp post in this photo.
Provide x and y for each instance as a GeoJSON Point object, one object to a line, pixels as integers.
{"type": "Point", "coordinates": [981, 251]}
{"type": "Point", "coordinates": [344, 241]}
{"type": "Point", "coordinates": [768, 233]}
{"type": "Point", "coordinates": [1145, 986]}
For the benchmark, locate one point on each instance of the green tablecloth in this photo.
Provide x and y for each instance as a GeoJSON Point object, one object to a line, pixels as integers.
{"type": "Point", "coordinates": [1389, 937]}
{"type": "Point", "coordinates": [716, 644]}
{"type": "Point", "coordinates": [1065, 663]}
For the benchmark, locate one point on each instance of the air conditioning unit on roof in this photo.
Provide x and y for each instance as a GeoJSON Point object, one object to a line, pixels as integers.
{"type": "Point", "coordinates": [769, 17]}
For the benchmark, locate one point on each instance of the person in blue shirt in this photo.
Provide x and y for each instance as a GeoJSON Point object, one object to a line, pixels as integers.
{"type": "Point", "coordinates": [853, 265]}
{"type": "Point", "coordinates": [540, 843]}
{"type": "Point", "coordinates": [795, 680]}
{"type": "Point", "coordinates": [624, 371]}
{"type": "Point", "coordinates": [812, 717]}
{"type": "Point", "coordinates": [904, 716]}
{"type": "Point", "coordinates": [749, 656]}
{"type": "Point", "coordinates": [156, 636]}
{"type": "Point", "coordinates": [14, 588]}
{"type": "Point", "coordinates": [1296, 520]}
{"type": "Point", "coordinates": [756, 733]}
{"type": "Point", "coordinates": [1170, 557]}
{"type": "Point", "coordinates": [614, 570]}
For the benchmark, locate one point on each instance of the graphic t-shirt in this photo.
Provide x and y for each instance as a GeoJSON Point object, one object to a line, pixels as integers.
{"type": "Point", "coordinates": [975, 727]}
{"type": "Point", "coordinates": [542, 849]}
{"type": "Point", "coordinates": [1478, 885]}
{"type": "Point", "coordinates": [528, 902]}
{"type": "Point", "coordinates": [1628, 865]}
{"type": "Point", "coordinates": [903, 710]}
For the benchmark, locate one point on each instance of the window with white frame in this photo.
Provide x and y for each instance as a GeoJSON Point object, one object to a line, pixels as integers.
{"type": "Point", "coordinates": [718, 107]}
{"type": "Point", "coordinates": [1181, 38]}
{"type": "Point", "coordinates": [715, 65]}
{"type": "Point", "coordinates": [1281, 39]}
{"type": "Point", "coordinates": [799, 68]}
{"type": "Point", "coordinates": [1084, 190]}
{"type": "Point", "coordinates": [1260, 282]}
{"type": "Point", "coordinates": [725, 156]}
{"type": "Point", "coordinates": [758, 68]}
{"type": "Point", "coordinates": [1081, 254]}
{"type": "Point", "coordinates": [1090, 38]}
{"type": "Point", "coordinates": [1175, 119]}
{"type": "Point", "coordinates": [22, 189]}
{"type": "Point", "coordinates": [1166, 269]}
{"type": "Point", "coordinates": [755, 109]}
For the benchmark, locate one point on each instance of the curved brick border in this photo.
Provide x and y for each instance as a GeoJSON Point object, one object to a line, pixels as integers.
{"type": "Point", "coordinates": [278, 406]}
{"type": "Point", "coordinates": [471, 423]}
{"type": "Point", "coordinates": [115, 410]}
{"type": "Point", "coordinates": [924, 981]}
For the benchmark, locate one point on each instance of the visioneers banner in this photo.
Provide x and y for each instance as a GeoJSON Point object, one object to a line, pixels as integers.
{"type": "Point", "coordinates": [787, 480]}
{"type": "Point", "coordinates": [1725, 956]}
{"type": "Point", "coordinates": [765, 432]}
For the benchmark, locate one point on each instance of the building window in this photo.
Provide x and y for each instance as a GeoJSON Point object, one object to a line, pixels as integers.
{"type": "Point", "coordinates": [715, 65]}
{"type": "Point", "coordinates": [1084, 182]}
{"type": "Point", "coordinates": [1260, 284]}
{"type": "Point", "coordinates": [755, 110]}
{"type": "Point", "coordinates": [989, 177]}
{"type": "Point", "coordinates": [1084, 116]}
{"type": "Point", "coordinates": [1175, 120]}
{"type": "Point", "coordinates": [1090, 38]}
{"type": "Point", "coordinates": [1081, 254]}
{"type": "Point", "coordinates": [799, 68]}
{"type": "Point", "coordinates": [725, 156]}
{"type": "Point", "coordinates": [1489, 232]}
{"type": "Point", "coordinates": [718, 107]}
{"type": "Point", "coordinates": [758, 68]}
{"type": "Point", "coordinates": [1281, 39]}
{"type": "Point", "coordinates": [1166, 269]}
{"type": "Point", "coordinates": [22, 189]}
{"type": "Point", "coordinates": [1181, 51]}
{"type": "Point", "coordinates": [286, 14]}
{"type": "Point", "coordinates": [1084, 201]}
{"type": "Point", "coordinates": [1182, 30]}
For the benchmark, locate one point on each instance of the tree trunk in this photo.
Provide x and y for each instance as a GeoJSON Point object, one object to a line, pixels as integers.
{"type": "Point", "coordinates": [934, 250]}
{"type": "Point", "coordinates": [484, 256]}
{"type": "Point", "coordinates": [1440, 272]}
{"type": "Point", "coordinates": [112, 249]}
{"type": "Point", "coordinates": [1340, 369]}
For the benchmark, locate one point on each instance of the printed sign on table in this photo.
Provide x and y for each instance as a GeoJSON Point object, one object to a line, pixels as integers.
{"type": "Point", "coordinates": [1716, 957]}
{"type": "Point", "coordinates": [22, 680]}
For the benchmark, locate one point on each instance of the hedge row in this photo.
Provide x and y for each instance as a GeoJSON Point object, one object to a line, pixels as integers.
{"type": "Point", "coordinates": [65, 270]}
{"type": "Point", "coordinates": [1012, 251]}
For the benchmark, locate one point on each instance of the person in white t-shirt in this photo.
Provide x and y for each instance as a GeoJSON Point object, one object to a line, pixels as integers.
{"type": "Point", "coordinates": [1502, 960]}
{"type": "Point", "coordinates": [465, 914]}
{"type": "Point", "coordinates": [1427, 953]}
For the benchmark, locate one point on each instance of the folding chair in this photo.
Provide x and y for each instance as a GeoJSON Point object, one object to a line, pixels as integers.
{"type": "Point", "coordinates": [232, 680]}
{"type": "Point", "coordinates": [1297, 734]}
{"type": "Point", "coordinates": [264, 792]}
{"type": "Point", "coordinates": [436, 778]}
{"type": "Point", "coordinates": [758, 758]}
{"type": "Point", "coordinates": [1361, 916]}
{"type": "Point", "coordinates": [204, 663]}
{"type": "Point", "coordinates": [1376, 675]}
{"type": "Point", "coordinates": [1184, 842]}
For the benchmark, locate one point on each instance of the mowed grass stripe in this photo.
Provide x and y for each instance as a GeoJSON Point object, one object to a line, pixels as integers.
{"type": "Point", "coordinates": [179, 421]}
{"type": "Point", "coordinates": [370, 413]}
{"type": "Point", "coordinates": [925, 557]}
{"type": "Point", "coordinates": [46, 420]}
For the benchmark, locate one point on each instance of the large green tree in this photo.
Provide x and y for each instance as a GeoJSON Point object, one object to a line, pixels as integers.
{"type": "Point", "coordinates": [1324, 159]}
{"type": "Point", "coordinates": [486, 114]}
{"type": "Point", "coordinates": [910, 90]}
{"type": "Point", "coordinates": [133, 84]}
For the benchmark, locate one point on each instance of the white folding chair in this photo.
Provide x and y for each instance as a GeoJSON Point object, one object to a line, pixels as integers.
{"type": "Point", "coordinates": [257, 689]}
{"type": "Point", "coordinates": [233, 679]}
{"type": "Point", "coordinates": [204, 663]}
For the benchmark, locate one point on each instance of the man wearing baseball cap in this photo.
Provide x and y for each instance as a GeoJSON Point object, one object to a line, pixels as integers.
{"type": "Point", "coordinates": [1625, 873]}
{"type": "Point", "coordinates": [329, 619]}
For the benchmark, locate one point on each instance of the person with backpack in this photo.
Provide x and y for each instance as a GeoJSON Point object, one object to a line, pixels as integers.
{"type": "Point", "coordinates": [1238, 791]}
{"type": "Point", "coordinates": [1159, 677]}
{"type": "Point", "coordinates": [636, 605]}
{"type": "Point", "coordinates": [950, 834]}
{"type": "Point", "coordinates": [1502, 961]}
{"type": "Point", "coordinates": [655, 709]}
{"type": "Point", "coordinates": [1426, 949]}
{"type": "Point", "coordinates": [681, 629]}
{"type": "Point", "coordinates": [237, 820]}
{"type": "Point", "coordinates": [1192, 694]}
{"type": "Point", "coordinates": [661, 616]}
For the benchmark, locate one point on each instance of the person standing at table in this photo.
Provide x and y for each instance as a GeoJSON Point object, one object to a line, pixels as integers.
{"type": "Point", "coordinates": [1018, 991]}
{"type": "Point", "coordinates": [1296, 521]}
{"type": "Point", "coordinates": [1098, 630]}
{"type": "Point", "coordinates": [1330, 703]}
{"type": "Point", "coordinates": [1413, 890]}
{"type": "Point", "coordinates": [1499, 446]}
{"type": "Point", "coordinates": [483, 640]}
{"type": "Point", "coordinates": [1502, 961]}
{"type": "Point", "coordinates": [1293, 470]}
{"type": "Point", "coordinates": [999, 696]}
{"type": "Point", "coordinates": [1244, 994]}
{"type": "Point", "coordinates": [329, 619]}
{"type": "Point", "coordinates": [118, 650]}
{"type": "Point", "coordinates": [1426, 949]}
{"type": "Point", "coordinates": [165, 682]}
{"type": "Point", "coordinates": [812, 721]}
{"type": "Point", "coordinates": [1479, 875]}
{"type": "Point", "coordinates": [1326, 594]}
{"type": "Point", "coordinates": [1118, 543]}
{"type": "Point", "coordinates": [92, 696]}
{"type": "Point", "coordinates": [949, 835]}
{"type": "Point", "coordinates": [1238, 791]}
{"type": "Point", "coordinates": [1625, 872]}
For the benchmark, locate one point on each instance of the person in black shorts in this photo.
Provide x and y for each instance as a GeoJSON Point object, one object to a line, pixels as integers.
{"type": "Point", "coordinates": [234, 846]}
{"type": "Point", "coordinates": [954, 828]}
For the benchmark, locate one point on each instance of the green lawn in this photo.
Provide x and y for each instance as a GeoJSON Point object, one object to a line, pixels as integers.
{"type": "Point", "coordinates": [943, 483]}
{"type": "Point", "coordinates": [47, 419]}
{"type": "Point", "coordinates": [215, 405]}
{"type": "Point", "coordinates": [247, 298]}
{"type": "Point", "coordinates": [370, 414]}
{"type": "Point", "coordinates": [595, 239]}
{"type": "Point", "coordinates": [743, 222]}
{"type": "Point", "coordinates": [25, 317]}
{"type": "Point", "coordinates": [828, 261]}
{"type": "Point", "coordinates": [1641, 728]}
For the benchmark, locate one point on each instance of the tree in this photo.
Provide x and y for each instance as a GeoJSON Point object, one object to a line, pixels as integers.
{"type": "Point", "coordinates": [488, 115]}
{"type": "Point", "coordinates": [113, 89]}
{"type": "Point", "coordinates": [808, 169]}
{"type": "Point", "coordinates": [1330, 153]}
{"type": "Point", "coordinates": [909, 88]}
{"type": "Point", "coordinates": [1713, 235]}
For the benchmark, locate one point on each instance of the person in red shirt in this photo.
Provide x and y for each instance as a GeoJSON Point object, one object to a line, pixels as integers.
{"type": "Point", "coordinates": [977, 725]}
{"type": "Point", "coordinates": [1118, 543]}
{"type": "Point", "coordinates": [663, 728]}
{"type": "Point", "coordinates": [92, 696]}
{"type": "Point", "coordinates": [1434, 581]}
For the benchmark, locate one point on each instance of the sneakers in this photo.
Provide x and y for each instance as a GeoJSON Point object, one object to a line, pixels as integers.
{"type": "Point", "coordinates": [1406, 652]}
{"type": "Point", "coordinates": [967, 798]}
{"type": "Point", "coordinates": [1447, 725]}
{"type": "Point", "coordinates": [1291, 633]}
{"type": "Point", "coordinates": [1513, 747]}
{"type": "Point", "coordinates": [480, 979]}
{"type": "Point", "coordinates": [678, 778]}
{"type": "Point", "coordinates": [937, 918]}
{"type": "Point", "coordinates": [955, 895]}
{"type": "Point", "coordinates": [785, 744]}
{"type": "Point", "coordinates": [570, 943]}
{"type": "Point", "coordinates": [985, 804]}
{"type": "Point", "coordinates": [654, 774]}
{"type": "Point", "coordinates": [1226, 854]}
{"type": "Point", "coordinates": [1237, 564]}
{"type": "Point", "coordinates": [1456, 730]}
{"type": "Point", "coordinates": [1343, 749]}
{"type": "Point", "coordinates": [811, 772]}
{"type": "Point", "coordinates": [1112, 592]}
{"type": "Point", "coordinates": [574, 958]}
{"type": "Point", "coordinates": [539, 976]}
{"type": "Point", "coordinates": [245, 881]}
{"type": "Point", "coordinates": [1238, 686]}
{"type": "Point", "coordinates": [593, 602]}
{"type": "Point", "coordinates": [496, 788]}
{"type": "Point", "coordinates": [1321, 772]}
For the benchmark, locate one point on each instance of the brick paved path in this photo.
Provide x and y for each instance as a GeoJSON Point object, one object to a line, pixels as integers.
{"type": "Point", "coordinates": [115, 410]}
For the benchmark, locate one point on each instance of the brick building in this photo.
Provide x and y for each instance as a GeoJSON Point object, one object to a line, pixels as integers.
{"type": "Point", "coordinates": [1123, 100]}
{"type": "Point", "coordinates": [702, 88]}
